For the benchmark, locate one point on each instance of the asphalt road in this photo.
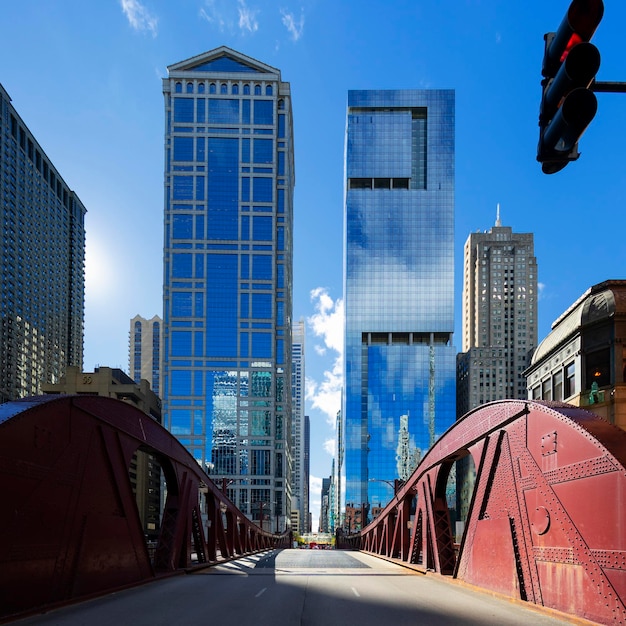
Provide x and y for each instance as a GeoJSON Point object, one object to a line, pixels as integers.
{"type": "Point", "coordinates": [299, 588]}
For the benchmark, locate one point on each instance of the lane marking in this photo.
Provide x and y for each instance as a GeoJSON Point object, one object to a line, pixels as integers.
{"type": "Point", "coordinates": [356, 593]}
{"type": "Point", "coordinates": [261, 592]}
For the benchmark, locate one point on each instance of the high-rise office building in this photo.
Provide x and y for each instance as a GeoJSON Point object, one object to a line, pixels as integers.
{"type": "Point", "coordinates": [499, 316]}
{"type": "Point", "coordinates": [399, 372]}
{"type": "Point", "coordinates": [227, 301]}
{"type": "Point", "coordinates": [146, 351]}
{"type": "Point", "coordinates": [42, 276]}
{"type": "Point", "coordinates": [299, 482]}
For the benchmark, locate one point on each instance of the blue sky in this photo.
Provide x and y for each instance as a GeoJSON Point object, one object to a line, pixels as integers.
{"type": "Point", "coordinates": [86, 79]}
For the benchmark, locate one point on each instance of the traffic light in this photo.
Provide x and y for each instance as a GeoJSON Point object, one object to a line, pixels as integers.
{"type": "Point", "coordinates": [570, 64]}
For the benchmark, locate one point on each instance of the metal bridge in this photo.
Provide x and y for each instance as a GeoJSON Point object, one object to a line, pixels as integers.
{"type": "Point", "coordinates": [546, 522]}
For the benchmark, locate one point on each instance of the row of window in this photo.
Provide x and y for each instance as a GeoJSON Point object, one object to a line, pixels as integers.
{"type": "Point", "coordinates": [223, 88]}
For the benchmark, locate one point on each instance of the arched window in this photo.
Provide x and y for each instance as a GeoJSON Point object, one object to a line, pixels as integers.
{"type": "Point", "coordinates": [212, 88]}
{"type": "Point", "coordinates": [257, 90]}
{"type": "Point", "coordinates": [235, 89]}
{"type": "Point", "coordinates": [246, 90]}
{"type": "Point", "coordinates": [201, 88]}
{"type": "Point", "coordinates": [223, 88]}
{"type": "Point", "coordinates": [268, 90]}
{"type": "Point", "coordinates": [178, 87]}
{"type": "Point", "coordinates": [281, 105]}
{"type": "Point", "coordinates": [190, 87]}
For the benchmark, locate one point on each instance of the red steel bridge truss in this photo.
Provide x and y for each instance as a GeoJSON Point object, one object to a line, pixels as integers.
{"type": "Point", "coordinates": [546, 516]}
{"type": "Point", "coordinates": [69, 523]}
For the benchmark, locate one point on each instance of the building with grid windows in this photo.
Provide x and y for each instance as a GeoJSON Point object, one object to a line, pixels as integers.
{"type": "Point", "coordinates": [499, 316]}
{"type": "Point", "coordinates": [227, 301]}
{"type": "Point", "coordinates": [299, 452]}
{"type": "Point", "coordinates": [399, 361]}
{"type": "Point", "coordinates": [42, 278]}
{"type": "Point", "coordinates": [146, 351]}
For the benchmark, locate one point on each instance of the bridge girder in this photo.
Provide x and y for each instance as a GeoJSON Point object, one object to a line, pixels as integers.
{"type": "Point", "coordinates": [547, 517]}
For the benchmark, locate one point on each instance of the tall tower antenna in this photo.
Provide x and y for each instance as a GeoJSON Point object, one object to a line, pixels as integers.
{"type": "Point", "coordinates": [498, 222]}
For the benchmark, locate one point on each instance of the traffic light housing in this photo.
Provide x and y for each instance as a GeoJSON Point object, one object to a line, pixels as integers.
{"type": "Point", "coordinates": [570, 64]}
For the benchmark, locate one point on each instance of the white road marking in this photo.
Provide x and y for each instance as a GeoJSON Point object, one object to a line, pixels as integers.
{"type": "Point", "coordinates": [261, 592]}
{"type": "Point", "coordinates": [356, 593]}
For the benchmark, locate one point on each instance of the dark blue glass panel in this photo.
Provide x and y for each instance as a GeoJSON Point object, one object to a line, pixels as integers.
{"type": "Point", "coordinates": [226, 65]}
{"type": "Point", "coordinates": [262, 190]}
{"type": "Point", "coordinates": [264, 112]}
{"type": "Point", "coordinates": [263, 151]}
{"type": "Point", "coordinates": [281, 201]}
{"type": "Point", "coordinates": [199, 265]}
{"type": "Point", "coordinates": [262, 228]}
{"type": "Point", "coordinates": [262, 267]}
{"type": "Point", "coordinates": [181, 382]}
{"type": "Point", "coordinates": [181, 304]}
{"type": "Point", "coordinates": [261, 305]}
{"type": "Point", "coordinates": [201, 111]}
{"type": "Point", "coordinates": [245, 266]}
{"type": "Point", "coordinates": [245, 189]}
{"type": "Point", "coordinates": [221, 305]}
{"type": "Point", "coordinates": [245, 305]}
{"type": "Point", "coordinates": [182, 227]}
{"type": "Point", "coordinates": [181, 343]}
{"type": "Point", "coordinates": [261, 345]}
{"type": "Point", "coordinates": [183, 188]}
{"type": "Point", "coordinates": [183, 148]}
{"type": "Point", "coordinates": [183, 110]}
{"type": "Point", "coordinates": [245, 111]}
{"type": "Point", "coordinates": [223, 194]}
{"type": "Point", "coordinates": [200, 149]}
{"type": "Point", "coordinates": [280, 238]}
{"type": "Point", "coordinates": [245, 150]}
{"type": "Point", "coordinates": [181, 265]}
{"type": "Point", "coordinates": [245, 227]}
{"type": "Point", "coordinates": [200, 188]}
{"type": "Point", "coordinates": [181, 420]}
{"type": "Point", "coordinates": [223, 111]}
{"type": "Point", "coordinates": [281, 126]}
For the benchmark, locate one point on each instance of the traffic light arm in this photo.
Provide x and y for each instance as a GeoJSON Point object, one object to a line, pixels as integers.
{"type": "Point", "coordinates": [608, 87]}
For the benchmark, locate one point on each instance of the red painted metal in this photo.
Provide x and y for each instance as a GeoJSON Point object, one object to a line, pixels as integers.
{"type": "Point", "coordinates": [547, 519]}
{"type": "Point", "coordinates": [69, 523]}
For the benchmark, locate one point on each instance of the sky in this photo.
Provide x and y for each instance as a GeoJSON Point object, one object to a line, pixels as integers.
{"type": "Point", "coordinates": [86, 79]}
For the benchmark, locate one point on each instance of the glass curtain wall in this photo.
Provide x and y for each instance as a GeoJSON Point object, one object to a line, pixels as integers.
{"type": "Point", "coordinates": [227, 275]}
{"type": "Point", "coordinates": [399, 375]}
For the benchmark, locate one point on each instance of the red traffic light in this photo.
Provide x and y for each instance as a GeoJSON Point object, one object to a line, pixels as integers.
{"type": "Point", "coordinates": [578, 25]}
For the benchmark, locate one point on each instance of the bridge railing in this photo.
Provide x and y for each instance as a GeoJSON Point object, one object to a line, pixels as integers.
{"type": "Point", "coordinates": [546, 518]}
{"type": "Point", "coordinates": [69, 522]}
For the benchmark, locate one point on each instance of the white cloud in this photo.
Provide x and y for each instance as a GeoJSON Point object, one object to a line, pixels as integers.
{"type": "Point", "coordinates": [329, 446]}
{"type": "Point", "coordinates": [541, 288]}
{"type": "Point", "coordinates": [327, 324]}
{"type": "Point", "coordinates": [139, 17]}
{"type": "Point", "coordinates": [228, 16]}
{"type": "Point", "coordinates": [295, 28]}
{"type": "Point", "coordinates": [247, 17]}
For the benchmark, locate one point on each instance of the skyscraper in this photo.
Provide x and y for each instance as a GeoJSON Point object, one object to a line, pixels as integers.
{"type": "Point", "coordinates": [146, 350]}
{"type": "Point", "coordinates": [227, 299]}
{"type": "Point", "coordinates": [499, 316]}
{"type": "Point", "coordinates": [42, 277]}
{"type": "Point", "coordinates": [399, 375]}
{"type": "Point", "coordinates": [299, 483]}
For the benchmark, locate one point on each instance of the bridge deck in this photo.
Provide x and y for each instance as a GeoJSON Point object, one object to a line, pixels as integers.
{"type": "Point", "coordinates": [293, 587]}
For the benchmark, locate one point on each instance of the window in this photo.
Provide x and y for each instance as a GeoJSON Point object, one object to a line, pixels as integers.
{"type": "Point", "coordinates": [246, 90]}
{"type": "Point", "coordinates": [223, 88]}
{"type": "Point", "coordinates": [570, 380]}
{"type": "Point", "coordinates": [235, 90]}
{"type": "Point", "coordinates": [257, 90]}
{"type": "Point", "coordinates": [190, 87]}
{"type": "Point", "coordinates": [268, 90]}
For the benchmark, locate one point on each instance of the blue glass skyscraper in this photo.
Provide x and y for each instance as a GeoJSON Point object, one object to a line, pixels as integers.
{"type": "Point", "coordinates": [228, 275]}
{"type": "Point", "coordinates": [399, 372]}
